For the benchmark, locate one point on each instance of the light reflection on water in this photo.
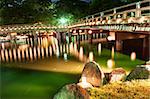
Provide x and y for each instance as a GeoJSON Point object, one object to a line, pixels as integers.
{"type": "Point", "coordinates": [53, 64]}
{"type": "Point", "coordinates": [46, 56]}
{"type": "Point", "coordinates": [49, 54]}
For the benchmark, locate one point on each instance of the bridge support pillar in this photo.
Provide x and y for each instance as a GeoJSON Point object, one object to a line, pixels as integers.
{"type": "Point", "coordinates": [119, 45]}
{"type": "Point", "coordinates": [146, 48]}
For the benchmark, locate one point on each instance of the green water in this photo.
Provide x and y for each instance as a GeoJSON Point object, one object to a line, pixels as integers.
{"type": "Point", "coordinates": [17, 83]}
{"type": "Point", "coordinates": [30, 84]}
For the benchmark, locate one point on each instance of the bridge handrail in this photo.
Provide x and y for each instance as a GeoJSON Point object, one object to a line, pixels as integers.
{"type": "Point", "coordinates": [140, 2]}
{"type": "Point", "coordinates": [88, 19]}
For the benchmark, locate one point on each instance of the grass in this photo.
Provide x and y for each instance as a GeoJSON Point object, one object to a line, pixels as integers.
{"type": "Point", "coordinates": [136, 89]}
{"type": "Point", "coordinates": [121, 60]}
{"type": "Point", "coordinates": [29, 84]}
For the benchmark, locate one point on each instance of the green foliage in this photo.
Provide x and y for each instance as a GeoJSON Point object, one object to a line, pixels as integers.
{"type": "Point", "coordinates": [138, 73]}
{"type": "Point", "coordinates": [26, 11]}
{"type": "Point", "coordinates": [136, 89]}
{"type": "Point", "coordinates": [65, 19]}
{"type": "Point", "coordinates": [76, 8]}
{"type": "Point", "coordinates": [32, 11]}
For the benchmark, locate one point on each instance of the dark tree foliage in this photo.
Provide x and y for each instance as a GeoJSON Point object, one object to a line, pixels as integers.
{"type": "Point", "coordinates": [32, 11]}
{"type": "Point", "coordinates": [25, 11]}
{"type": "Point", "coordinates": [75, 7]}
{"type": "Point", "coordinates": [102, 5]}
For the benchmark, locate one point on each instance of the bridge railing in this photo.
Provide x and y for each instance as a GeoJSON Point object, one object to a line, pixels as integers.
{"type": "Point", "coordinates": [138, 12]}
{"type": "Point", "coordinates": [132, 13]}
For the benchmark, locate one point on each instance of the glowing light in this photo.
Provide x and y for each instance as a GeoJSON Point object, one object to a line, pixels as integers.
{"type": "Point", "coordinates": [75, 50]}
{"type": "Point", "coordinates": [19, 55]}
{"type": "Point", "coordinates": [110, 38]}
{"type": "Point", "coordinates": [103, 22]}
{"type": "Point", "coordinates": [90, 31]}
{"type": "Point", "coordinates": [45, 42]}
{"type": "Point", "coordinates": [133, 56]}
{"type": "Point", "coordinates": [74, 31]}
{"type": "Point", "coordinates": [71, 48]}
{"type": "Point", "coordinates": [65, 57]}
{"type": "Point", "coordinates": [50, 50]}
{"type": "Point", "coordinates": [109, 22]}
{"type": "Point", "coordinates": [64, 48]}
{"type": "Point", "coordinates": [61, 49]}
{"type": "Point", "coordinates": [57, 51]}
{"type": "Point", "coordinates": [63, 20]}
{"type": "Point", "coordinates": [38, 50]}
{"type": "Point", "coordinates": [27, 56]}
{"type": "Point", "coordinates": [84, 83]}
{"type": "Point", "coordinates": [93, 23]}
{"type": "Point", "coordinates": [98, 22]}
{"type": "Point", "coordinates": [67, 48]}
{"type": "Point", "coordinates": [112, 52]}
{"type": "Point", "coordinates": [91, 57]}
{"type": "Point", "coordinates": [23, 47]}
{"type": "Point", "coordinates": [34, 51]}
{"type": "Point", "coordinates": [99, 48]}
{"type": "Point", "coordinates": [81, 54]}
{"type": "Point", "coordinates": [147, 67]}
{"type": "Point", "coordinates": [30, 52]}
{"type": "Point", "coordinates": [110, 63]}
{"type": "Point", "coordinates": [83, 79]}
{"type": "Point", "coordinates": [46, 49]}
{"type": "Point", "coordinates": [118, 21]}
{"type": "Point", "coordinates": [142, 19]}
{"type": "Point", "coordinates": [42, 50]}
{"type": "Point", "coordinates": [22, 54]}
{"type": "Point", "coordinates": [80, 31]}
{"type": "Point", "coordinates": [70, 30]}
{"type": "Point", "coordinates": [13, 34]}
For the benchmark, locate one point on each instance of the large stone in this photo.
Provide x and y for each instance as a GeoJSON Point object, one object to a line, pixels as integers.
{"type": "Point", "coordinates": [93, 74]}
{"type": "Point", "coordinates": [117, 74]}
{"type": "Point", "coordinates": [140, 72]}
{"type": "Point", "coordinates": [72, 91]}
{"type": "Point", "coordinates": [106, 78]}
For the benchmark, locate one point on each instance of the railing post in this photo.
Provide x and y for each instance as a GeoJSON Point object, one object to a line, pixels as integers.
{"type": "Point", "coordinates": [115, 14]}
{"type": "Point", "coordinates": [124, 15]}
{"type": "Point", "coordinates": [138, 11]}
{"type": "Point", "coordinates": [86, 19]}
{"type": "Point", "coordinates": [92, 17]}
{"type": "Point", "coordinates": [101, 14]}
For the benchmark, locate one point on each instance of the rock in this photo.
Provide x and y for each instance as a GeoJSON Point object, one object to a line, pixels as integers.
{"type": "Point", "coordinates": [84, 83]}
{"type": "Point", "coordinates": [140, 72]}
{"type": "Point", "coordinates": [93, 74]}
{"type": "Point", "coordinates": [72, 91]}
{"type": "Point", "coordinates": [106, 78]}
{"type": "Point", "coordinates": [117, 74]}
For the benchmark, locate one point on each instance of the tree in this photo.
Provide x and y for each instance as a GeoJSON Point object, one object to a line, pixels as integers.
{"type": "Point", "coordinates": [75, 7]}
{"type": "Point", "coordinates": [26, 11]}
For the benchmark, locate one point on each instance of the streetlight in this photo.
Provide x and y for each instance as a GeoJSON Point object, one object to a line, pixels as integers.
{"type": "Point", "coordinates": [80, 31]}
{"type": "Point", "coordinates": [90, 31]}
{"type": "Point", "coordinates": [63, 20]}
